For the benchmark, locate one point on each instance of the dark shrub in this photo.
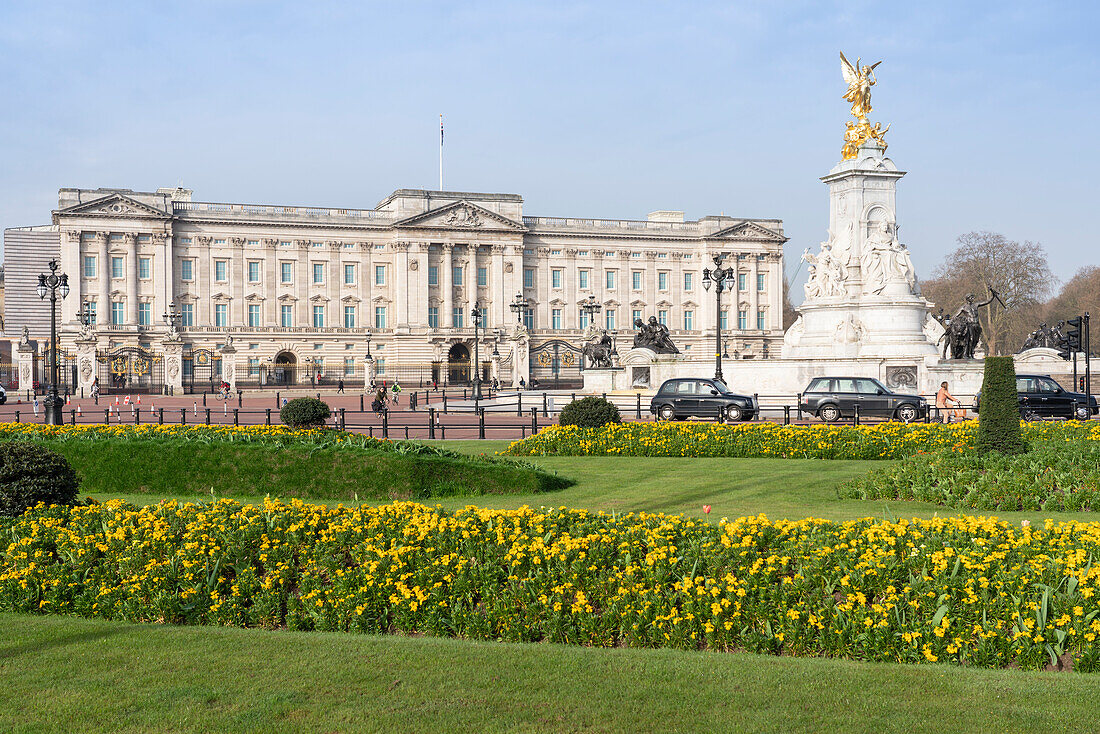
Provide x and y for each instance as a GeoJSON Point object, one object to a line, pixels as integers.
{"type": "Point", "coordinates": [29, 474]}
{"type": "Point", "coordinates": [999, 412]}
{"type": "Point", "coordinates": [589, 413]}
{"type": "Point", "coordinates": [305, 413]}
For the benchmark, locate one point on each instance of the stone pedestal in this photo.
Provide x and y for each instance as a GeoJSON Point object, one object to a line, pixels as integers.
{"type": "Point", "coordinates": [25, 354]}
{"type": "Point", "coordinates": [229, 365]}
{"type": "Point", "coordinates": [85, 365]}
{"type": "Point", "coordinates": [173, 366]}
{"type": "Point", "coordinates": [521, 357]}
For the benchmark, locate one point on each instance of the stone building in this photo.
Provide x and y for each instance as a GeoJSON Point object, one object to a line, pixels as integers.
{"type": "Point", "coordinates": [286, 294]}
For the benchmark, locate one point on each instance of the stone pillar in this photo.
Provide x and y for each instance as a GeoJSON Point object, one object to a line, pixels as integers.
{"type": "Point", "coordinates": [368, 376]}
{"type": "Point", "coordinates": [131, 278]}
{"type": "Point", "coordinates": [754, 293]}
{"type": "Point", "coordinates": [494, 364]}
{"type": "Point", "coordinates": [446, 303]}
{"type": "Point", "coordinates": [775, 292]}
{"type": "Point", "coordinates": [229, 364]}
{"type": "Point", "coordinates": [71, 264]}
{"type": "Point", "coordinates": [85, 362]}
{"type": "Point", "coordinates": [173, 366]}
{"type": "Point", "coordinates": [401, 282]}
{"type": "Point", "coordinates": [26, 354]}
{"type": "Point", "coordinates": [521, 357]}
{"type": "Point", "coordinates": [103, 300]}
{"type": "Point", "coordinates": [499, 294]}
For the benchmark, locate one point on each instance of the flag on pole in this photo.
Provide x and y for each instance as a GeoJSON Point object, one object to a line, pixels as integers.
{"type": "Point", "coordinates": [441, 131]}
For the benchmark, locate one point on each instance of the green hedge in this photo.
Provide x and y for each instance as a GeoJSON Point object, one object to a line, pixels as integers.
{"type": "Point", "coordinates": [999, 411]}
{"type": "Point", "coordinates": [31, 473]}
{"type": "Point", "coordinates": [591, 412]}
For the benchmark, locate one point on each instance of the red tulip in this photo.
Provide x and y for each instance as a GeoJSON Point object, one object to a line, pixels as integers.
{"type": "Point", "coordinates": [706, 509]}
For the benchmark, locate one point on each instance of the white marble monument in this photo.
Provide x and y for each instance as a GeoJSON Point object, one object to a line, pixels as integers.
{"type": "Point", "coordinates": [862, 297]}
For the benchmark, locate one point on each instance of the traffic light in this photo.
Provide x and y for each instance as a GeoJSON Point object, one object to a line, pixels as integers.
{"type": "Point", "coordinates": [1072, 343]}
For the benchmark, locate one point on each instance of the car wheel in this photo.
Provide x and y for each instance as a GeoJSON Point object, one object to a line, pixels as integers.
{"type": "Point", "coordinates": [666, 413]}
{"type": "Point", "coordinates": [1081, 412]}
{"type": "Point", "coordinates": [734, 413]}
{"type": "Point", "coordinates": [1029, 415]}
{"type": "Point", "coordinates": [907, 413]}
{"type": "Point", "coordinates": [829, 413]}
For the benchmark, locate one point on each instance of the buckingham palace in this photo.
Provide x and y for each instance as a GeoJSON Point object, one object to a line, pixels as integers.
{"type": "Point", "coordinates": [167, 291]}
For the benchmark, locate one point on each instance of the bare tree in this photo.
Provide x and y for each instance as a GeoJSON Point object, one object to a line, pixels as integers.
{"type": "Point", "coordinates": [1081, 293]}
{"type": "Point", "coordinates": [1017, 271]}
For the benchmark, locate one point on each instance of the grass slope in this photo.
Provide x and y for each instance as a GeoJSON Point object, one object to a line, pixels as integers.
{"type": "Point", "coordinates": [81, 675]}
{"type": "Point", "coordinates": [173, 468]}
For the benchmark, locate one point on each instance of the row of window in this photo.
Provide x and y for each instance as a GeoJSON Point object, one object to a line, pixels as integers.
{"type": "Point", "coordinates": [286, 316]}
{"type": "Point", "coordinates": [557, 277]}
{"type": "Point", "coordinates": [221, 315]}
{"type": "Point", "coordinates": [286, 274]}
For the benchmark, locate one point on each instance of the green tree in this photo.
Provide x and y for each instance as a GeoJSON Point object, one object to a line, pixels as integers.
{"type": "Point", "coordinates": [999, 412]}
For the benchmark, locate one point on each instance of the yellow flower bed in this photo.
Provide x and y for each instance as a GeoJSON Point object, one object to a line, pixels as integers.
{"type": "Point", "coordinates": [890, 440]}
{"type": "Point", "coordinates": [965, 590]}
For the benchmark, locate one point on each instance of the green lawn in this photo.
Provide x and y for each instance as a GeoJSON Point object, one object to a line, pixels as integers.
{"type": "Point", "coordinates": [778, 488]}
{"type": "Point", "coordinates": [64, 674]}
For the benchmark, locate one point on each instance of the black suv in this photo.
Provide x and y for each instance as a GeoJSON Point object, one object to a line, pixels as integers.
{"type": "Point", "coordinates": [701, 398]}
{"type": "Point", "coordinates": [833, 398]}
{"type": "Point", "coordinates": [1041, 397]}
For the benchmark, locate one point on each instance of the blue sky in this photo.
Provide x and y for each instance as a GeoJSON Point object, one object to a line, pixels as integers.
{"type": "Point", "coordinates": [586, 109]}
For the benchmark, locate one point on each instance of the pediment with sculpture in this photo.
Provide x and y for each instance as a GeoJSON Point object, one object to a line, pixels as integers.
{"type": "Point", "coordinates": [114, 205]}
{"type": "Point", "coordinates": [461, 215]}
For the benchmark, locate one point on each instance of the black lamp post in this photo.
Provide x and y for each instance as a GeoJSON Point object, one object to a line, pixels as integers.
{"type": "Point", "coordinates": [172, 318]}
{"type": "Point", "coordinates": [591, 307]}
{"type": "Point", "coordinates": [85, 316]}
{"type": "Point", "coordinates": [368, 345]}
{"type": "Point", "coordinates": [519, 306]}
{"type": "Point", "coordinates": [723, 279]}
{"type": "Point", "coordinates": [475, 314]}
{"type": "Point", "coordinates": [51, 284]}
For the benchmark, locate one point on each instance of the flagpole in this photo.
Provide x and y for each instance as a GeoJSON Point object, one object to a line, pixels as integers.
{"type": "Point", "coordinates": [441, 152]}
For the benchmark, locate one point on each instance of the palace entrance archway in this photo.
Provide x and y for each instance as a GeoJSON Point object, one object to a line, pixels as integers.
{"type": "Point", "coordinates": [286, 369]}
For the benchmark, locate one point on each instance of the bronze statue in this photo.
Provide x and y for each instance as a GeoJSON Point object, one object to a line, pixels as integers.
{"type": "Point", "coordinates": [654, 336]}
{"type": "Point", "coordinates": [598, 351]}
{"type": "Point", "coordinates": [964, 331]}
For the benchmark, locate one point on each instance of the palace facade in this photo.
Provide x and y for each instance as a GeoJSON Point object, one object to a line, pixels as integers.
{"type": "Point", "coordinates": [290, 293]}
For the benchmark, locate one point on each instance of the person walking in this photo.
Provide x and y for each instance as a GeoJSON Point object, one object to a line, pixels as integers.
{"type": "Point", "coordinates": [340, 386]}
{"type": "Point", "coordinates": [944, 400]}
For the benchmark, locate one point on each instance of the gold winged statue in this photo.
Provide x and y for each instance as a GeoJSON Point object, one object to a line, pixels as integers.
{"type": "Point", "coordinates": [860, 79]}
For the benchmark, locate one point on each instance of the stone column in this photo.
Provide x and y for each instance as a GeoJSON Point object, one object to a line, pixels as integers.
{"type": "Point", "coordinates": [173, 366]}
{"type": "Point", "coordinates": [85, 361]}
{"type": "Point", "coordinates": [71, 264]}
{"type": "Point", "coordinates": [400, 287]}
{"type": "Point", "coordinates": [26, 366]}
{"type": "Point", "coordinates": [499, 294]}
{"type": "Point", "coordinates": [754, 294]}
{"type": "Point", "coordinates": [229, 364]}
{"type": "Point", "coordinates": [775, 295]}
{"type": "Point", "coordinates": [494, 364]}
{"type": "Point", "coordinates": [103, 259]}
{"type": "Point", "coordinates": [164, 278]}
{"type": "Point", "coordinates": [131, 278]}
{"type": "Point", "coordinates": [446, 304]}
{"type": "Point", "coordinates": [368, 372]}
